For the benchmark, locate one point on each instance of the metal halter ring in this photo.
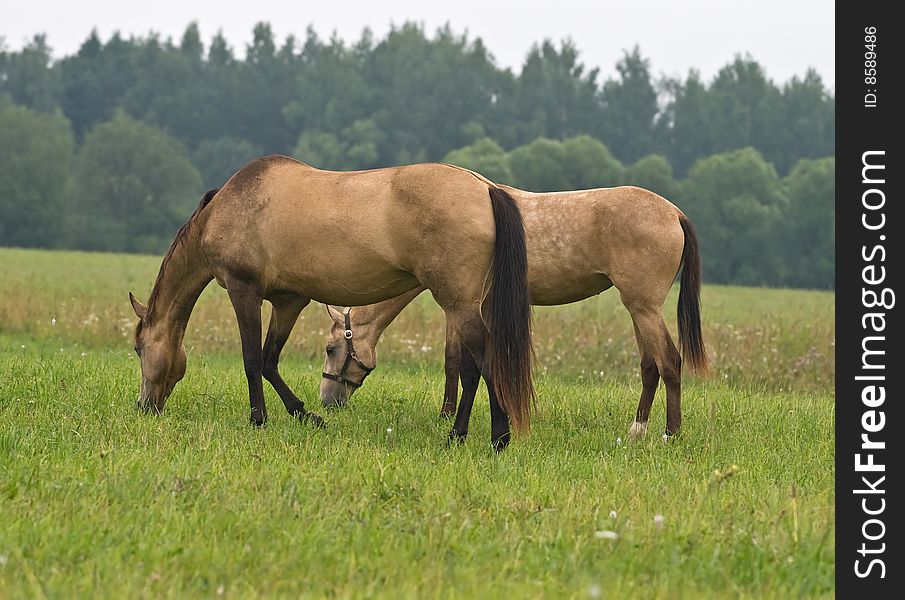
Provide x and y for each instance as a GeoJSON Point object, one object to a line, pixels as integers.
{"type": "Point", "coordinates": [351, 357]}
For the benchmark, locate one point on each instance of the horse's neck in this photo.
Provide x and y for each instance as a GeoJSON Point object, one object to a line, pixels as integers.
{"type": "Point", "coordinates": [183, 276]}
{"type": "Point", "coordinates": [377, 317]}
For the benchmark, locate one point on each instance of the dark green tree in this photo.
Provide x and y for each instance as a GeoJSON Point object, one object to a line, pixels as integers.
{"type": "Point", "coordinates": [484, 156]}
{"type": "Point", "coordinates": [268, 84]}
{"type": "Point", "coordinates": [354, 148]}
{"type": "Point", "coordinates": [321, 149]}
{"type": "Point", "coordinates": [425, 89]}
{"type": "Point", "coordinates": [736, 202]}
{"type": "Point", "coordinates": [96, 78]}
{"type": "Point", "coordinates": [804, 123]}
{"type": "Point", "coordinates": [131, 189]}
{"type": "Point", "coordinates": [28, 78]}
{"type": "Point", "coordinates": [808, 224]}
{"type": "Point", "coordinates": [331, 92]}
{"type": "Point", "coordinates": [587, 164]}
{"type": "Point", "coordinates": [554, 97]}
{"type": "Point", "coordinates": [35, 152]}
{"type": "Point", "coordinates": [217, 160]}
{"type": "Point", "coordinates": [743, 105]}
{"type": "Point", "coordinates": [173, 92]}
{"type": "Point", "coordinates": [685, 126]}
{"type": "Point", "coordinates": [577, 163]}
{"type": "Point", "coordinates": [629, 113]}
{"type": "Point", "coordinates": [538, 166]}
{"type": "Point", "coordinates": [654, 173]}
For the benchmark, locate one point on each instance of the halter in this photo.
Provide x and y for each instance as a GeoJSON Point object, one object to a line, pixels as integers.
{"type": "Point", "coordinates": [350, 357]}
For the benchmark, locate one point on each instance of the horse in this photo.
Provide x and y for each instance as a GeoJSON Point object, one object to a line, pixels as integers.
{"type": "Point", "coordinates": [580, 243]}
{"type": "Point", "coordinates": [282, 231]}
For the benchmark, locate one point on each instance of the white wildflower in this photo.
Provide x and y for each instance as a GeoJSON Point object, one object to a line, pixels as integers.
{"type": "Point", "coordinates": [606, 534]}
{"type": "Point", "coordinates": [613, 514]}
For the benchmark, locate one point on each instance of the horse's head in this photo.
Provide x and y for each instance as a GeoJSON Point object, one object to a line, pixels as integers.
{"type": "Point", "coordinates": [350, 356]}
{"type": "Point", "coordinates": [162, 358]}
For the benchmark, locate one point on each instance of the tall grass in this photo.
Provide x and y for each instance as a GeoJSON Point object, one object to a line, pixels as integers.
{"type": "Point", "coordinates": [779, 339]}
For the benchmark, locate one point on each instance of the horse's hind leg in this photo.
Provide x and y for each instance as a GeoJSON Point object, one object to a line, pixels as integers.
{"type": "Point", "coordinates": [246, 299]}
{"type": "Point", "coordinates": [660, 347]}
{"type": "Point", "coordinates": [471, 377]}
{"type": "Point", "coordinates": [285, 313]}
{"type": "Point", "coordinates": [473, 336]}
{"type": "Point", "coordinates": [452, 358]}
{"type": "Point", "coordinates": [650, 379]}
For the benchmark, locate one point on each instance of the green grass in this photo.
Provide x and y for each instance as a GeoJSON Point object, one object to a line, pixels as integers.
{"type": "Point", "coordinates": [101, 500]}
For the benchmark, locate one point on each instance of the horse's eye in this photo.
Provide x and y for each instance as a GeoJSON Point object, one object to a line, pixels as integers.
{"type": "Point", "coordinates": [330, 350]}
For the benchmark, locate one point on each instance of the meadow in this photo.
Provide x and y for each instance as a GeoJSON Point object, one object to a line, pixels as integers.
{"type": "Point", "coordinates": [103, 501]}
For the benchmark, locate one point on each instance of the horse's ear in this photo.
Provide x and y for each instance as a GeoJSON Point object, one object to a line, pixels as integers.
{"type": "Point", "coordinates": [141, 311]}
{"type": "Point", "coordinates": [334, 314]}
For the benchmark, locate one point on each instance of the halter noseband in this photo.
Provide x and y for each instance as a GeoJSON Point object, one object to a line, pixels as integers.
{"type": "Point", "coordinates": [341, 377]}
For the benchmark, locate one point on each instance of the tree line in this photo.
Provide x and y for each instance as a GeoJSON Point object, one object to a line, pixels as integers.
{"type": "Point", "coordinates": [110, 148]}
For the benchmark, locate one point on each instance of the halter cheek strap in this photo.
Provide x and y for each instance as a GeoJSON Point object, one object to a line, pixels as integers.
{"type": "Point", "coordinates": [342, 377]}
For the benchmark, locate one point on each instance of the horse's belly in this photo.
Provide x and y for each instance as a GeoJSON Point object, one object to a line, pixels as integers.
{"type": "Point", "coordinates": [344, 286]}
{"type": "Point", "coordinates": [551, 289]}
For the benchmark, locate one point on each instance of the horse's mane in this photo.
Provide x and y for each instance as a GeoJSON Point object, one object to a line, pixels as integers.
{"type": "Point", "coordinates": [181, 236]}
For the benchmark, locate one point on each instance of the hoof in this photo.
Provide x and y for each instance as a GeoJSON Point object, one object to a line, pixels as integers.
{"type": "Point", "coordinates": [315, 419]}
{"type": "Point", "coordinates": [455, 438]}
{"type": "Point", "coordinates": [148, 408]}
{"type": "Point", "coordinates": [500, 443]}
{"type": "Point", "coordinates": [257, 422]}
{"type": "Point", "coordinates": [637, 430]}
{"type": "Point", "coordinates": [671, 434]}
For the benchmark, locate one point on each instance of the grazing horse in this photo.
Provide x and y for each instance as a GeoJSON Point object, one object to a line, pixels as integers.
{"type": "Point", "coordinates": [580, 244]}
{"type": "Point", "coordinates": [282, 231]}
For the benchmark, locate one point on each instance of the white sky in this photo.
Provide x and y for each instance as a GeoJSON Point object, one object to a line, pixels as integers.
{"type": "Point", "coordinates": [786, 36]}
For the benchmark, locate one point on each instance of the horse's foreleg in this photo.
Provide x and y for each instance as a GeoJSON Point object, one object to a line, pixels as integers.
{"type": "Point", "coordinates": [650, 379]}
{"type": "Point", "coordinates": [246, 299]}
{"type": "Point", "coordinates": [452, 358]}
{"type": "Point", "coordinates": [471, 377]}
{"type": "Point", "coordinates": [282, 320]}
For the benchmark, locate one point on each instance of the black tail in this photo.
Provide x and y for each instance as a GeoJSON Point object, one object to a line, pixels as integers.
{"type": "Point", "coordinates": [691, 339]}
{"type": "Point", "coordinates": [509, 351]}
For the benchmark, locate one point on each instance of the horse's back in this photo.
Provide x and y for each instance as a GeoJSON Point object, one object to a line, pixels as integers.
{"type": "Point", "coordinates": [345, 236]}
{"type": "Point", "coordinates": [587, 240]}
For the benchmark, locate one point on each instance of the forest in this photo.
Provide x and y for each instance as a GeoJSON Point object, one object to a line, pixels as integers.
{"type": "Point", "coordinates": [110, 148]}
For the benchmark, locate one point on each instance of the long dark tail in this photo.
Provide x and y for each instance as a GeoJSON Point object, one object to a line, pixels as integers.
{"type": "Point", "coordinates": [509, 351]}
{"type": "Point", "coordinates": [689, 309]}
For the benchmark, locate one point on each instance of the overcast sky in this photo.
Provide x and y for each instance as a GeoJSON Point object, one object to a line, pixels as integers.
{"type": "Point", "coordinates": [786, 36]}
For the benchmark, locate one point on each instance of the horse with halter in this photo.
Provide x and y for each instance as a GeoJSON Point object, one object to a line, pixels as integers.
{"type": "Point", "coordinates": [579, 244]}
{"type": "Point", "coordinates": [282, 231]}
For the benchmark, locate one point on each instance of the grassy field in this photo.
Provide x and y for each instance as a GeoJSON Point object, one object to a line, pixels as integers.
{"type": "Point", "coordinates": [100, 500]}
